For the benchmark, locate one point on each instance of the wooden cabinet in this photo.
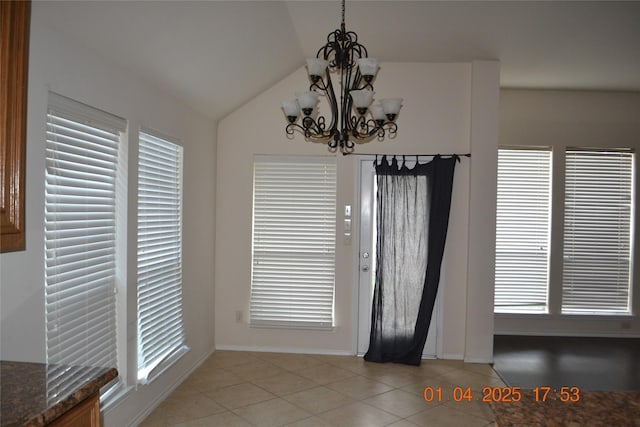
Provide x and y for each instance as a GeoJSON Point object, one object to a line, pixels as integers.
{"type": "Point", "coordinates": [14, 55]}
{"type": "Point", "coordinates": [84, 414]}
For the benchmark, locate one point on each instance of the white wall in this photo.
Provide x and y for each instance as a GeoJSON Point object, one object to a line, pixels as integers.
{"type": "Point", "coordinates": [62, 66]}
{"type": "Point", "coordinates": [482, 205]}
{"type": "Point", "coordinates": [572, 119]}
{"type": "Point", "coordinates": [436, 118]}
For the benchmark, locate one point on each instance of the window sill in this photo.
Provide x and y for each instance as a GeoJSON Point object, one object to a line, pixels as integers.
{"type": "Point", "coordinates": [112, 398]}
{"type": "Point", "coordinates": [161, 367]}
{"type": "Point", "coordinates": [300, 327]}
{"type": "Point", "coordinates": [574, 316]}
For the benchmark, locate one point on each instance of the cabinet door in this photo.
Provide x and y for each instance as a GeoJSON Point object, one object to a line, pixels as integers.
{"type": "Point", "coordinates": [14, 54]}
{"type": "Point", "coordinates": [85, 414]}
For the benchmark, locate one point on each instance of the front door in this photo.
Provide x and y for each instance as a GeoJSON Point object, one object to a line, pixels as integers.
{"type": "Point", "coordinates": [367, 264]}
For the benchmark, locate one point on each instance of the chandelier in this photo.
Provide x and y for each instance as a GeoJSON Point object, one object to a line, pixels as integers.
{"type": "Point", "coordinates": [352, 117]}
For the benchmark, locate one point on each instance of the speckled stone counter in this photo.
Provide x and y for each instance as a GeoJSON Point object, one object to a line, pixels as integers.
{"type": "Point", "coordinates": [34, 394]}
{"type": "Point", "coordinates": [594, 409]}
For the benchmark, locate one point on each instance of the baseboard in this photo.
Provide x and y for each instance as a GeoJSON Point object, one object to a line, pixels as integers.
{"type": "Point", "coordinates": [161, 397]}
{"type": "Point", "coordinates": [451, 356]}
{"type": "Point", "coordinates": [438, 357]}
{"type": "Point", "coordinates": [567, 334]}
{"type": "Point", "coordinates": [295, 350]}
{"type": "Point", "coordinates": [298, 350]}
{"type": "Point", "coordinates": [482, 360]}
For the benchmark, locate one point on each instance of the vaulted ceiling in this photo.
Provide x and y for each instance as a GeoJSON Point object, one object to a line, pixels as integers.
{"type": "Point", "coordinates": [216, 55]}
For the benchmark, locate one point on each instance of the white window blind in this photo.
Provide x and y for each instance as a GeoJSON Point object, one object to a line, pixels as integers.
{"type": "Point", "coordinates": [294, 228]}
{"type": "Point", "coordinates": [597, 232]}
{"type": "Point", "coordinates": [161, 338]}
{"type": "Point", "coordinates": [522, 231]}
{"type": "Point", "coordinates": [80, 235]}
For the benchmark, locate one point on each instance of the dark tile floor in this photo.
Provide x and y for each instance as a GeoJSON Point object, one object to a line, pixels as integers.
{"type": "Point", "coordinates": [603, 364]}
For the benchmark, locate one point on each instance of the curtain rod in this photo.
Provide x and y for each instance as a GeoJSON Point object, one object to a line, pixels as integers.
{"type": "Point", "coordinates": [411, 155]}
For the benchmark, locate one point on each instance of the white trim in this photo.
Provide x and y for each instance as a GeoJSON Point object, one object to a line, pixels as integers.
{"type": "Point", "coordinates": [355, 245]}
{"type": "Point", "coordinates": [451, 356]}
{"type": "Point", "coordinates": [429, 357]}
{"type": "Point", "coordinates": [293, 350]}
{"type": "Point", "coordinates": [293, 242]}
{"type": "Point", "coordinates": [482, 360]}
{"type": "Point", "coordinates": [364, 222]}
{"type": "Point", "coordinates": [159, 263]}
{"type": "Point", "coordinates": [560, 317]}
{"type": "Point", "coordinates": [165, 364]}
{"type": "Point", "coordinates": [160, 397]}
{"type": "Point", "coordinates": [159, 135]}
{"type": "Point", "coordinates": [117, 397]}
{"type": "Point", "coordinates": [293, 325]}
{"type": "Point", "coordinates": [567, 333]}
{"type": "Point", "coordinates": [79, 111]}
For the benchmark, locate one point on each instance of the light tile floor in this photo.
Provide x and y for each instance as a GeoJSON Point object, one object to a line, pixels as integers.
{"type": "Point", "coordinates": [234, 388]}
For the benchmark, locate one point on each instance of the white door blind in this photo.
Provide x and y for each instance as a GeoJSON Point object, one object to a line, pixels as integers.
{"type": "Point", "coordinates": [161, 335]}
{"type": "Point", "coordinates": [294, 228]}
{"type": "Point", "coordinates": [597, 232]}
{"type": "Point", "coordinates": [522, 231]}
{"type": "Point", "coordinates": [80, 235]}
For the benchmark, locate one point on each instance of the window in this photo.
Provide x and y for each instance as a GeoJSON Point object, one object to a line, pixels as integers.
{"type": "Point", "coordinates": [522, 231]}
{"type": "Point", "coordinates": [593, 260]}
{"type": "Point", "coordinates": [82, 151]}
{"type": "Point", "coordinates": [294, 228]}
{"type": "Point", "coordinates": [597, 232]}
{"type": "Point", "coordinates": [161, 338]}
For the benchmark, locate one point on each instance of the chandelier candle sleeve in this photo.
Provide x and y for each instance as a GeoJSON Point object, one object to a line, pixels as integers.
{"type": "Point", "coordinates": [391, 107]}
{"type": "Point", "coordinates": [341, 77]}
{"type": "Point", "coordinates": [377, 112]}
{"type": "Point", "coordinates": [361, 100]}
{"type": "Point", "coordinates": [316, 68]}
{"type": "Point", "coordinates": [291, 109]}
{"type": "Point", "coordinates": [368, 68]}
{"type": "Point", "coordinates": [307, 100]}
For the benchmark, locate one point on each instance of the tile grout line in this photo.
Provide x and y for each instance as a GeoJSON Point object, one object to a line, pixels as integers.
{"type": "Point", "coordinates": [345, 364]}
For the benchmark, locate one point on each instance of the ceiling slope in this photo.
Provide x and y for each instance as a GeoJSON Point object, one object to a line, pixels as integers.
{"type": "Point", "coordinates": [216, 55]}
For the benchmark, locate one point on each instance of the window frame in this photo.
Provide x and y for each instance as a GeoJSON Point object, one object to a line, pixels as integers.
{"type": "Point", "coordinates": [149, 370]}
{"type": "Point", "coordinates": [602, 310]}
{"type": "Point", "coordinates": [258, 316]}
{"type": "Point", "coordinates": [534, 235]}
{"type": "Point", "coordinates": [557, 241]}
{"type": "Point", "coordinates": [82, 120]}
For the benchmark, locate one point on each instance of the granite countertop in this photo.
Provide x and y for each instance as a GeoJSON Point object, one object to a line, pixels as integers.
{"type": "Point", "coordinates": [594, 409]}
{"type": "Point", "coordinates": [35, 394]}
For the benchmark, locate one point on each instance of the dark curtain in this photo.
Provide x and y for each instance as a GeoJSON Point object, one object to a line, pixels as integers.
{"type": "Point", "coordinates": [413, 216]}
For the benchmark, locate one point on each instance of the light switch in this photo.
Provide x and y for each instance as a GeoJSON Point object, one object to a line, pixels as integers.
{"type": "Point", "coordinates": [347, 225]}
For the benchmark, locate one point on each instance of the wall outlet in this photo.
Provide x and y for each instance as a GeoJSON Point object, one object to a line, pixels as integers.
{"type": "Point", "coordinates": [238, 316]}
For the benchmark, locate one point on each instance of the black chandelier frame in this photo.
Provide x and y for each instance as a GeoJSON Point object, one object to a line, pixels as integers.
{"type": "Point", "coordinates": [342, 52]}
